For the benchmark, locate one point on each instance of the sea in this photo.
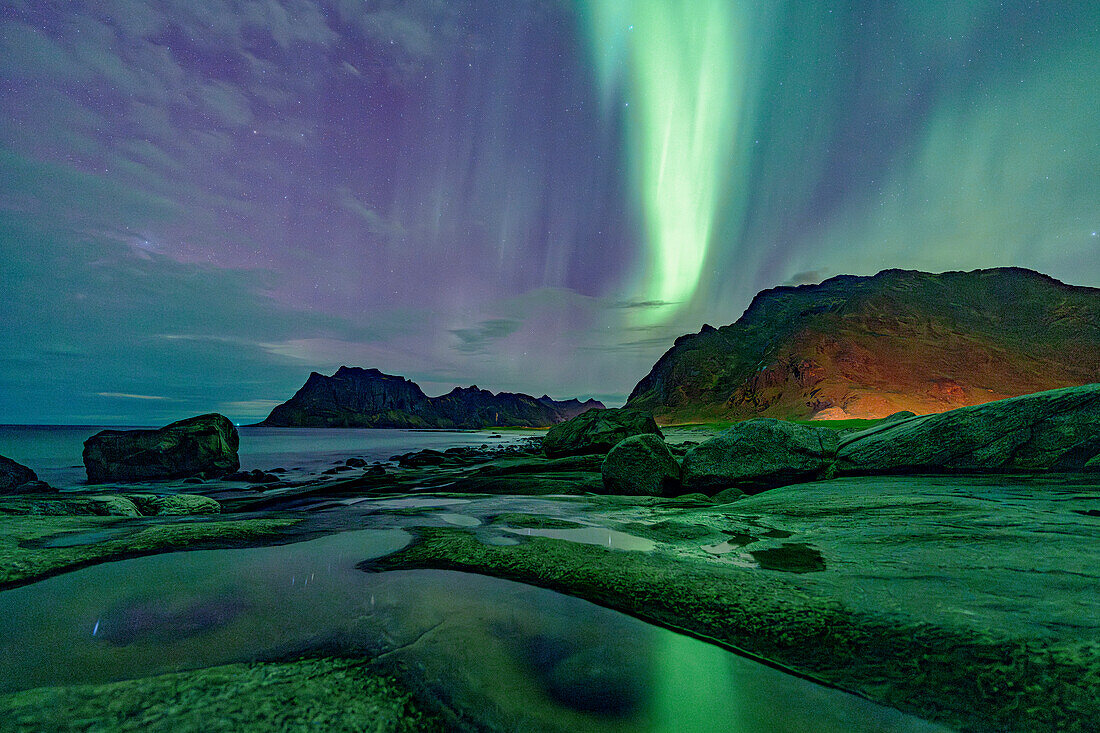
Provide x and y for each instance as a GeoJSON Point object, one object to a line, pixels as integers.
{"type": "Point", "coordinates": [54, 451]}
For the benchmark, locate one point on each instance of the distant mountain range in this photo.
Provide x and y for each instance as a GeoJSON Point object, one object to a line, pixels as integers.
{"type": "Point", "coordinates": [367, 398]}
{"type": "Point", "coordinates": [865, 347]}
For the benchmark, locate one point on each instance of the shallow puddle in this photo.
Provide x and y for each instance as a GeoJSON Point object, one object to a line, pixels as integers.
{"type": "Point", "coordinates": [510, 656]}
{"type": "Point", "coordinates": [409, 501]}
{"type": "Point", "coordinates": [460, 520]}
{"type": "Point", "coordinates": [591, 536]}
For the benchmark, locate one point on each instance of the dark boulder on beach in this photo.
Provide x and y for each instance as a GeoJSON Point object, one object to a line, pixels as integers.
{"type": "Point", "coordinates": [597, 431]}
{"type": "Point", "coordinates": [15, 476]}
{"type": "Point", "coordinates": [206, 444]}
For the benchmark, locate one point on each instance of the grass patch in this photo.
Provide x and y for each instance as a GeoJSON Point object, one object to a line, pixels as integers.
{"type": "Point", "coordinates": [719, 425]}
{"type": "Point", "coordinates": [853, 424]}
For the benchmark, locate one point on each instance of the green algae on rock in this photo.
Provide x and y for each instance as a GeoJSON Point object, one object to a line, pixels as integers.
{"type": "Point", "coordinates": [36, 547]}
{"type": "Point", "coordinates": [107, 504]}
{"type": "Point", "coordinates": [521, 520]}
{"type": "Point", "coordinates": [303, 695]}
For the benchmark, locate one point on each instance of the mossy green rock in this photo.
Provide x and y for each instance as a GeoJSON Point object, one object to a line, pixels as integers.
{"type": "Point", "coordinates": [759, 454]}
{"type": "Point", "coordinates": [306, 695]}
{"type": "Point", "coordinates": [597, 431]}
{"type": "Point", "coordinates": [36, 547]}
{"type": "Point", "coordinates": [641, 465]}
{"type": "Point", "coordinates": [1055, 430]}
{"type": "Point", "coordinates": [175, 504]}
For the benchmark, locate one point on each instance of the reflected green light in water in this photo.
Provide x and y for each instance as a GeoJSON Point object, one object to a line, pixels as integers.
{"type": "Point", "coordinates": [682, 106]}
{"type": "Point", "coordinates": [694, 688]}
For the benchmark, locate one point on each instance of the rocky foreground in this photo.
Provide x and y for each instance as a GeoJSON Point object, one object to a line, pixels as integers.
{"type": "Point", "coordinates": [944, 565]}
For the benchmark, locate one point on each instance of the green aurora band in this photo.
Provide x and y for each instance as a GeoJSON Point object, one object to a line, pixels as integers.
{"type": "Point", "coordinates": [683, 105]}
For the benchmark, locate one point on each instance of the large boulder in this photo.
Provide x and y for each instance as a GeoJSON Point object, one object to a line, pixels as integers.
{"type": "Point", "coordinates": [13, 476]}
{"type": "Point", "coordinates": [206, 444]}
{"type": "Point", "coordinates": [759, 454]}
{"type": "Point", "coordinates": [641, 465]}
{"type": "Point", "coordinates": [1056, 430]}
{"type": "Point", "coordinates": [597, 431]}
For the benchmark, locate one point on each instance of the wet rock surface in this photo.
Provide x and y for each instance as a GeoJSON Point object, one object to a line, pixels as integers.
{"type": "Point", "coordinates": [959, 600]}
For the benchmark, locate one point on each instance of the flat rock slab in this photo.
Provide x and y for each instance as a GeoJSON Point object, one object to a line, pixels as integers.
{"type": "Point", "coordinates": [971, 602]}
{"type": "Point", "coordinates": [36, 547]}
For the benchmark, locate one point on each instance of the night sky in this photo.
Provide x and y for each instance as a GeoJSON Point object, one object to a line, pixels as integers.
{"type": "Point", "coordinates": [202, 202]}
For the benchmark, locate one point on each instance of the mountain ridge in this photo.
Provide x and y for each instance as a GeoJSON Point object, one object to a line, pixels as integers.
{"type": "Point", "coordinates": [867, 346]}
{"type": "Point", "coordinates": [369, 398]}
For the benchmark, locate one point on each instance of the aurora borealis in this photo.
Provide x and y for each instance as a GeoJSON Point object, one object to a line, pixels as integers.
{"type": "Point", "coordinates": [681, 67]}
{"type": "Point", "coordinates": [202, 202]}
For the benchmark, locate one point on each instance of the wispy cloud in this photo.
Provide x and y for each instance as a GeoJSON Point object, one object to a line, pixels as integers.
{"type": "Point", "coordinates": [375, 223]}
{"type": "Point", "coordinates": [642, 303]}
{"type": "Point", "coordinates": [129, 396]}
{"type": "Point", "coordinates": [248, 408]}
{"type": "Point", "coordinates": [809, 277]}
{"type": "Point", "coordinates": [476, 340]}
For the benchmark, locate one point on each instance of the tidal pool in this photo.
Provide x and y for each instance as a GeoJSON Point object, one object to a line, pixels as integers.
{"type": "Point", "coordinates": [508, 655]}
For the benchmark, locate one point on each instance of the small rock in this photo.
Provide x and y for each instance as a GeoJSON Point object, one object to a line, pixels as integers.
{"type": "Point", "coordinates": [725, 496]}
{"type": "Point", "coordinates": [174, 504]}
{"type": "Point", "coordinates": [330, 471]}
{"type": "Point", "coordinates": [114, 506]}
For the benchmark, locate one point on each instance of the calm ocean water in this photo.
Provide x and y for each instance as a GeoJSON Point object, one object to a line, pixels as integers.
{"type": "Point", "coordinates": [53, 451]}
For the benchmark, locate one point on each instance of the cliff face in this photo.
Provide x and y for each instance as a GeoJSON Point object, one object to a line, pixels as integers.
{"type": "Point", "coordinates": [367, 398]}
{"type": "Point", "coordinates": [869, 346]}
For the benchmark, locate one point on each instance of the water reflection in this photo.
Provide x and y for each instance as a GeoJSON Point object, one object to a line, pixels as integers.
{"type": "Point", "coordinates": [511, 656]}
{"type": "Point", "coordinates": [591, 536]}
